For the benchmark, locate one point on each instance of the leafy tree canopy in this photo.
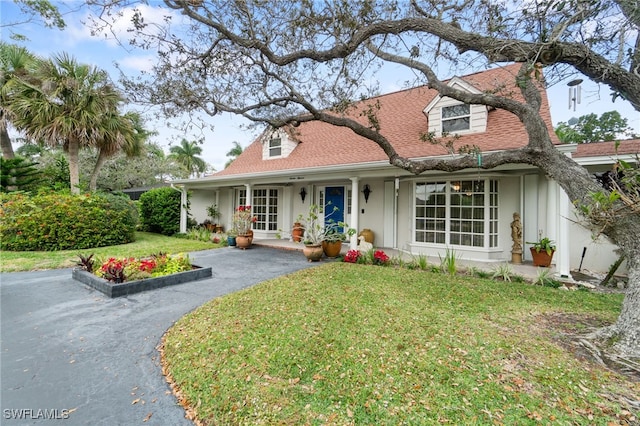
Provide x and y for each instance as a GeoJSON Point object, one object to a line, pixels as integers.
{"type": "Point", "coordinates": [591, 128]}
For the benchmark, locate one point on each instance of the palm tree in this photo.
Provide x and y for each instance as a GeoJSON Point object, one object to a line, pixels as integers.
{"type": "Point", "coordinates": [68, 107]}
{"type": "Point", "coordinates": [233, 153]}
{"type": "Point", "coordinates": [124, 133]}
{"type": "Point", "coordinates": [15, 62]}
{"type": "Point", "coordinates": [186, 155]}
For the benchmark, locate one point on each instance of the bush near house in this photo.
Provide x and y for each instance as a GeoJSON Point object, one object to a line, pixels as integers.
{"type": "Point", "coordinates": [63, 221]}
{"type": "Point", "coordinates": [160, 211]}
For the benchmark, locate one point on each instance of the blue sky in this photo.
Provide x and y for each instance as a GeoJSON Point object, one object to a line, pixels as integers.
{"type": "Point", "coordinates": [102, 51]}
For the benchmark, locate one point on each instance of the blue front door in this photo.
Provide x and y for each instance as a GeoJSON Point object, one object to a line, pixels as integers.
{"type": "Point", "coordinates": [334, 197]}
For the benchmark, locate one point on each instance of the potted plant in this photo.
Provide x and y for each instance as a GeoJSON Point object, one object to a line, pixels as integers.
{"type": "Point", "coordinates": [242, 222]}
{"type": "Point", "coordinates": [542, 251]}
{"type": "Point", "coordinates": [214, 214]}
{"type": "Point", "coordinates": [335, 233]}
{"type": "Point", "coordinates": [231, 237]}
{"type": "Point", "coordinates": [313, 233]}
{"type": "Point", "coordinates": [297, 233]}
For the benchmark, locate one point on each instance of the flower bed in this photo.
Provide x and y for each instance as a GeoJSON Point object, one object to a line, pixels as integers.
{"type": "Point", "coordinates": [120, 277]}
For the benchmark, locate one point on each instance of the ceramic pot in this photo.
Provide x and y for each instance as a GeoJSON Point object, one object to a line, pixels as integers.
{"type": "Point", "coordinates": [313, 252]}
{"type": "Point", "coordinates": [297, 232]}
{"type": "Point", "coordinates": [243, 242]}
{"type": "Point", "coordinates": [332, 248]}
{"type": "Point", "coordinates": [367, 234]}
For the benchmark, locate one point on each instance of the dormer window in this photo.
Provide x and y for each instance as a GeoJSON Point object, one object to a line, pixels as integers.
{"type": "Point", "coordinates": [456, 118]}
{"type": "Point", "coordinates": [275, 147]}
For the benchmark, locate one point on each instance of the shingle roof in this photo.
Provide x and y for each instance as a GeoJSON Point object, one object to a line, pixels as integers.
{"type": "Point", "coordinates": [402, 122]}
{"type": "Point", "coordinates": [599, 149]}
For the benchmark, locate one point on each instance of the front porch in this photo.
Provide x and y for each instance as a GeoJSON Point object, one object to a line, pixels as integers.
{"type": "Point", "coordinates": [525, 269]}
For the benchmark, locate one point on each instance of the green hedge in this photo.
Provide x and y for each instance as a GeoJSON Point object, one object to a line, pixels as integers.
{"type": "Point", "coordinates": [64, 221]}
{"type": "Point", "coordinates": [160, 211]}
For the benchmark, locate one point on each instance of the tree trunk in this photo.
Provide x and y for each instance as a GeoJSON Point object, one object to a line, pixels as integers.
{"type": "Point", "coordinates": [93, 182]}
{"type": "Point", "coordinates": [74, 174]}
{"type": "Point", "coordinates": [626, 330]}
{"type": "Point", "coordinates": [5, 140]}
{"type": "Point", "coordinates": [624, 231]}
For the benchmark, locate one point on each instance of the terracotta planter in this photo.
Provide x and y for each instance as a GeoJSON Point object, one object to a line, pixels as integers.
{"type": "Point", "coordinates": [332, 248]}
{"type": "Point", "coordinates": [250, 235]}
{"type": "Point", "coordinates": [541, 258]}
{"type": "Point", "coordinates": [313, 252]}
{"type": "Point", "coordinates": [243, 242]}
{"type": "Point", "coordinates": [367, 234]}
{"type": "Point", "coordinates": [297, 232]}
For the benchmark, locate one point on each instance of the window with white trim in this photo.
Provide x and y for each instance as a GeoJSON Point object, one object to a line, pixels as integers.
{"type": "Point", "coordinates": [456, 118]}
{"type": "Point", "coordinates": [275, 147]}
{"type": "Point", "coordinates": [241, 197]}
{"type": "Point", "coordinates": [457, 213]}
{"type": "Point", "coordinates": [265, 209]}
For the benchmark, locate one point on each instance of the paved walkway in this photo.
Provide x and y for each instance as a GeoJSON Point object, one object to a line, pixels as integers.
{"type": "Point", "coordinates": [65, 346]}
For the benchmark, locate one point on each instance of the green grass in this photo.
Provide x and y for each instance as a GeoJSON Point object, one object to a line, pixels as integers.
{"type": "Point", "coordinates": [359, 344]}
{"type": "Point", "coordinates": [145, 244]}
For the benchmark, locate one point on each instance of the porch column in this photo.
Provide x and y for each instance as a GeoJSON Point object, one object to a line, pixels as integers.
{"type": "Point", "coordinates": [355, 210]}
{"type": "Point", "coordinates": [563, 263]}
{"type": "Point", "coordinates": [249, 200]}
{"type": "Point", "coordinates": [183, 209]}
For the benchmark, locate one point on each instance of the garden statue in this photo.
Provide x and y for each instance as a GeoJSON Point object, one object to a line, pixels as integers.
{"type": "Point", "coordinates": [516, 236]}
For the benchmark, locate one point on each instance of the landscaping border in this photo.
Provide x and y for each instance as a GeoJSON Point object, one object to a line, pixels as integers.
{"type": "Point", "coordinates": [132, 287]}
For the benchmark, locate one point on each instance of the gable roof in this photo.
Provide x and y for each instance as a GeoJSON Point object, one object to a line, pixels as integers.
{"type": "Point", "coordinates": [402, 122]}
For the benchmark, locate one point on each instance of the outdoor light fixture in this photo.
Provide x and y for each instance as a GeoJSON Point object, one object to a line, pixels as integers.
{"type": "Point", "coordinates": [366, 191]}
{"type": "Point", "coordinates": [303, 193]}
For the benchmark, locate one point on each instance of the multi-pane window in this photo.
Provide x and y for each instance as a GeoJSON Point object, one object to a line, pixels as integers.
{"type": "Point", "coordinates": [459, 213]}
{"type": "Point", "coordinates": [431, 206]}
{"type": "Point", "coordinates": [467, 213]}
{"type": "Point", "coordinates": [241, 196]}
{"type": "Point", "coordinates": [265, 209]}
{"type": "Point", "coordinates": [456, 118]}
{"type": "Point", "coordinates": [275, 147]}
{"type": "Point", "coordinates": [493, 213]}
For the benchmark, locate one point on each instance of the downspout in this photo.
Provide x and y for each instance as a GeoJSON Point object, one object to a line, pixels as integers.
{"type": "Point", "coordinates": [183, 208]}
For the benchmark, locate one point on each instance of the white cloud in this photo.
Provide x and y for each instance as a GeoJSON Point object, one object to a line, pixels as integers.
{"type": "Point", "coordinates": [137, 62]}
{"type": "Point", "coordinates": [114, 29]}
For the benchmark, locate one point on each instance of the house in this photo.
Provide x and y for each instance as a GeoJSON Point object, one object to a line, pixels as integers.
{"type": "Point", "coordinates": [286, 170]}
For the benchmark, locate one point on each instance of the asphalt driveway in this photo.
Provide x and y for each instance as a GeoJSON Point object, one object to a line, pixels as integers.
{"type": "Point", "coordinates": [72, 356]}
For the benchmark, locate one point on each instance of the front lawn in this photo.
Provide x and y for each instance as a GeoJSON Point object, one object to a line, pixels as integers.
{"type": "Point", "coordinates": [146, 243]}
{"type": "Point", "coordinates": [360, 344]}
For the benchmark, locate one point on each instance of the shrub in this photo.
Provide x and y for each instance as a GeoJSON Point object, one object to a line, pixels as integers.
{"type": "Point", "coordinates": [160, 211]}
{"type": "Point", "coordinates": [62, 221]}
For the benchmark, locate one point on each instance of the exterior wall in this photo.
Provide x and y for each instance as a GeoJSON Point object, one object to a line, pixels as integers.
{"type": "Point", "coordinates": [199, 201]}
{"type": "Point", "coordinates": [600, 253]}
{"type": "Point", "coordinates": [508, 203]}
{"type": "Point", "coordinates": [371, 213]}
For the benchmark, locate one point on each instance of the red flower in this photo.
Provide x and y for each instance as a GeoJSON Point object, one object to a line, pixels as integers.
{"type": "Point", "coordinates": [352, 256]}
{"type": "Point", "coordinates": [380, 257]}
